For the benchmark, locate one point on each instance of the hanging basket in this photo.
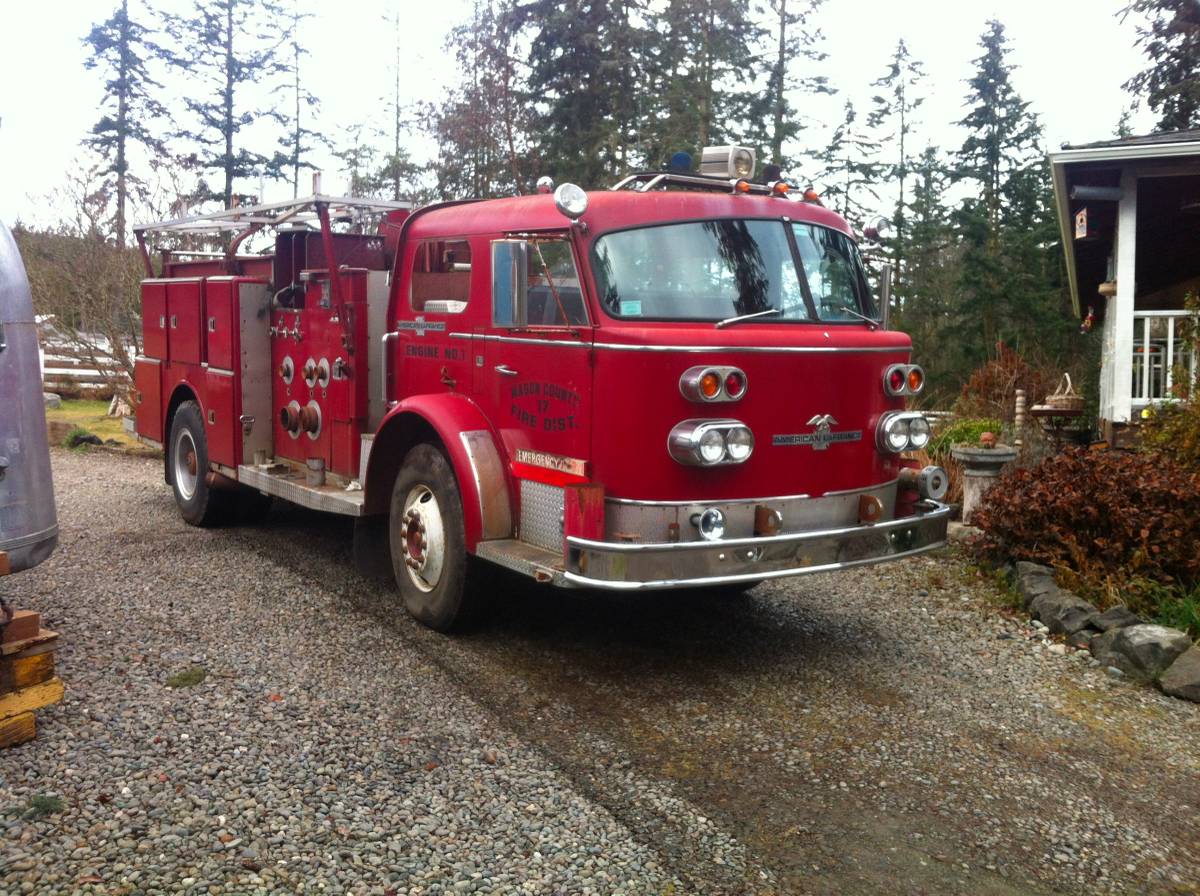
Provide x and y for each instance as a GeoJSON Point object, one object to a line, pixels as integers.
{"type": "Point", "coordinates": [1065, 398]}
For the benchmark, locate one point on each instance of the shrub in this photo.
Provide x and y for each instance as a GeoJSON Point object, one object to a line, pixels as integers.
{"type": "Point", "coordinates": [964, 431]}
{"type": "Point", "coordinates": [1113, 517]}
{"type": "Point", "coordinates": [991, 390]}
{"type": "Point", "coordinates": [1174, 431]}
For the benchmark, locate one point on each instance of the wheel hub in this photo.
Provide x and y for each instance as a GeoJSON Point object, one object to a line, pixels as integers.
{"type": "Point", "coordinates": [422, 537]}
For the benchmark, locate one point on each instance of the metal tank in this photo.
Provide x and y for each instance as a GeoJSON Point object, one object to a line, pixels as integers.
{"type": "Point", "coordinates": [28, 525]}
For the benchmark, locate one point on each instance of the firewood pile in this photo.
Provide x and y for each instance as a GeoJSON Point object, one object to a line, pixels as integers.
{"type": "Point", "coordinates": [27, 679]}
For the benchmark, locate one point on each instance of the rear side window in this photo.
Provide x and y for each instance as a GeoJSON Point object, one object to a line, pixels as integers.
{"type": "Point", "coordinates": [441, 276]}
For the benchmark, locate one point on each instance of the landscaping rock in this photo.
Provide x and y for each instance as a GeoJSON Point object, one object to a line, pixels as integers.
{"type": "Point", "coordinates": [1140, 651]}
{"type": "Point", "coordinates": [52, 399]}
{"type": "Point", "coordinates": [1182, 679]}
{"type": "Point", "coordinates": [1082, 638]}
{"type": "Point", "coordinates": [1119, 616]}
{"type": "Point", "coordinates": [1061, 611]}
{"type": "Point", "coordinates": [1033, 579]}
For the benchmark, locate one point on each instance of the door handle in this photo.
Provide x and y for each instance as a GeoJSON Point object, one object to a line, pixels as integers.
{"type": "Point", "coordinates": [505, 370]}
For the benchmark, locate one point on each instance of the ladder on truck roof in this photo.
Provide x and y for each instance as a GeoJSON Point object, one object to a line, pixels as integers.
{"type": "Point", "coordinates": [303, 210]}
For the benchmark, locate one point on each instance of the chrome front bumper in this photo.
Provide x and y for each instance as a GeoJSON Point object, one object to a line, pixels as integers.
{"type": "Point", "coordinates": [635, 566]}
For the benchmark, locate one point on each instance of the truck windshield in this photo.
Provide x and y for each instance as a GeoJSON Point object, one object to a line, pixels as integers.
{"type": "Point", "coordinates": [713, 270]}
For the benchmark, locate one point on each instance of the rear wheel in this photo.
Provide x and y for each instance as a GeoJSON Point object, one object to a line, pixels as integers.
{"type": "Point", "coordinates": [427, 540]}
{"type": "Point", "coordinates": [199, 504]}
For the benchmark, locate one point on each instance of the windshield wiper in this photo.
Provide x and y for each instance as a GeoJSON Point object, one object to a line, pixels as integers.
{"type": "Point", "coordinates": [870, 320]}
{"type": "Point", "coordinates": [730, 321]}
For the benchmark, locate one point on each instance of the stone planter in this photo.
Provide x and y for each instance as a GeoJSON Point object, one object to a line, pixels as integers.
{"type": "Point", "coordinates": [981, 467]}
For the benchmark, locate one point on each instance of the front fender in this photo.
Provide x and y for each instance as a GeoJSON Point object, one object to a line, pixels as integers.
{"type": "Point", "coordinates": [462, 430]}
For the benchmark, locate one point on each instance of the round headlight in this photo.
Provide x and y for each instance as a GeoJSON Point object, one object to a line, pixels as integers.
{"type": "Point", "coordinates": [918, 432]}
{"type": "Point", "coordinates": [739, 442]}
{"type": "Point", "coordinates": [711, 524]}
{"type": "Point", "coordinates": [712, 446]}
{"type": "Point", "coordinates": [743, 163]}
{"type": "Point", "coordinates": [895, 434]}
{"type": "Point", "coordinates": [570, 200]}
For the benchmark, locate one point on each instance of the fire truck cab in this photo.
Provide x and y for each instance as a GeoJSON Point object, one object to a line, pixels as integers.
{"type": "Point", "coordinates": [682, 381]}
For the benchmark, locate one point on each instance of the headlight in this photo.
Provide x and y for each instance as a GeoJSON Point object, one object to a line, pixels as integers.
{"type": "Point", "coordinates": [711, 524]}
{"type": "Point", "coordinates": [712, 446]}
{"type": "Point", "coordinates": [902, 431]}
{"type": "Point", "coordinates": [739, 442]}
{"type": "Point", "coordinates": [570, 201]}
{"type": "Point", "coordinates": [743, 162]}
{"type": "Point", "coordinates": [918, 432]}
{"type": "Point", "coordinates": [710, 443]}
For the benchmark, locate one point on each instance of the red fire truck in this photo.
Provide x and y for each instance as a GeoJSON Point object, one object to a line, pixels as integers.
{"type": "Point", "coordinates": [682, 381]}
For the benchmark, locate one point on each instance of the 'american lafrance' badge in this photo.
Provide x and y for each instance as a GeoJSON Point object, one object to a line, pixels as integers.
{"type": "Point", "coordinates": [822, 438]}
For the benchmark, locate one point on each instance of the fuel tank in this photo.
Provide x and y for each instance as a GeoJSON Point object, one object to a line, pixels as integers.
{"type": "Point", "coordinates": [28, 524]}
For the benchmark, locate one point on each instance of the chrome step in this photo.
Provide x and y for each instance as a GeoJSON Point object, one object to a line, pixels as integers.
{"type": "Point", "coordinates": [527, 559]}
{"type": "Point", "coordinates": [287, 482]}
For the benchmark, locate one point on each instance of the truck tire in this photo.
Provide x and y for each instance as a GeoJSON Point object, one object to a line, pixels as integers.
{"type": "Point", "coordinates": [187, 463]}
{"type": "Point", "coordinates": [427, 540]}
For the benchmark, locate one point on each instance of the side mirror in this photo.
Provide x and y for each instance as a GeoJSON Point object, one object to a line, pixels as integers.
{"type": "Point", "coordinates": [885, 295]}
{"type": "Point", "coordinates": [510, 283]}
{"type": "Point", "coordinates": [879, 230]}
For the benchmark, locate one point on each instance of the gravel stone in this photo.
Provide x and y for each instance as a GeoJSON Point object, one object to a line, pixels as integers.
{"type": "Point", "coordinates": [884, 729]}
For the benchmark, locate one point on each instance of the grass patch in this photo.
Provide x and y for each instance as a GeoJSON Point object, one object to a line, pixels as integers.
{"type": "Point", "coordinates": [43, 805]}
{"type": "Point", "coordinates": [1181, 610]}
{"type": "Point", "coordinates": [92, 417]}
{"type": "Point", "coordinates": [187, 678]}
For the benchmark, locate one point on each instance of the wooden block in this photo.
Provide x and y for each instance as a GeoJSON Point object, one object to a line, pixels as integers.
{"type": "Point", "coordinates": [5, 564]}
{"type": "Point", "coordinates": [43, 637]}
{"type": "Point", "coordinates": [17, 730]}
{"type": "Point", "coordinates": [21, 671]}
{"type": "Point", "coordinates": [25, 624]}
{"type": "Point", "coordinates": [31, 698]}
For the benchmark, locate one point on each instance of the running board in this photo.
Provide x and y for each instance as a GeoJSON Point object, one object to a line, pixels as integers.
{"type": "Point", "coordinates": [288, 483]}
{"type": "Point", "coordinates": [527, 559]}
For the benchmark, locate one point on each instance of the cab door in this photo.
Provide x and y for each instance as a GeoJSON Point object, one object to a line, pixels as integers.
{"type": "Point", "coordinates": [534, 368]}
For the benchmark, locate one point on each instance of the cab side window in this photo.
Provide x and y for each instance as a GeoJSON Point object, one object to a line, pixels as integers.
{"type": "Point", "coordinates": [441, 276]}
{"type": "Point", "coordinates": [555, 298]}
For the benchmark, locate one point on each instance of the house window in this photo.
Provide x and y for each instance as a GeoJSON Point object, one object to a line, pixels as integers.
{"type": "Point", "coordinates": [1162, 355]}
{"type": "Point", "coordinates": [441, 276]}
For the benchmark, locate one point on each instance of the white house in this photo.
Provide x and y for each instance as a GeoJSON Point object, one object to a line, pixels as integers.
{"type": "Point", "coordinates": [1129, 211]}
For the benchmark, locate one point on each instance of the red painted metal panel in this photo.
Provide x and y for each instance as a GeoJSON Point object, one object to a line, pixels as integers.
{"type": "Point", "coordinates": [219, 326]}
{"type": "Point", "coordinates": [583, 512]}
{"type": "Point", "coordinates": [184, 308]}
{"type": "Point", "coordinates": [220, 417]}
{"type": "Point", "coordinates": [154, 320]}
{"type": "Point", "coordinates": [147, 381]}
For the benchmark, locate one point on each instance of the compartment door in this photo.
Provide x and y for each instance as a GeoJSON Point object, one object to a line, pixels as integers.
{"type": "Point", "coordinates": [154, 319]}
{"type": "Point", "coordinates": [218, 322]}
{"type": "Point", "coordinates": [147, 381]}
{"type": "Point", "coordinates": [220, 417]}
{"type": "Point", "coordinates": [184, 308]}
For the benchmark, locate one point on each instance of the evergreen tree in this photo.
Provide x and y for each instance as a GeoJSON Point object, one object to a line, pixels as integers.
{"type": "Point", "coordinates": [850, 169]}
{"type": "Point", "coordinates": [930, 306]}
{"type": "Point", "coordinates": [299, 140]}
{"type": "Point", "coordinates": [586, 71]}
{"type": "Point", "coordinates": [794, 38]}
{"type": "Point", "coordinates": [123, 49]}
{"type": "Point", "coordinates": [482, 128]}
{"type": "Point", "coordinates": [702, 67]}
{"type": "Point", "coordinates": [1170, 38]}
{"type": "Point", "coordinates": [225, 47]}
{"type": "Point", "coordinates": [892, 115]}
{"type": "Point", "coordinates": [1009, 281]}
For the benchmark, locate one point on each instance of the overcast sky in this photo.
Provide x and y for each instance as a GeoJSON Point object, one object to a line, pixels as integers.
{"type": "Point", "coordinates": [1072, 57]}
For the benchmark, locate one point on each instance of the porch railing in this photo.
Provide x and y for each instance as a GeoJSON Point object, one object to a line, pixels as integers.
{"type": "Point", "coordinates": [1161, 354]}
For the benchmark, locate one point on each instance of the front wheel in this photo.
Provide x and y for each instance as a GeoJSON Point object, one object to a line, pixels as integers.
{"type": "Point", "coordinates": [427, 540]}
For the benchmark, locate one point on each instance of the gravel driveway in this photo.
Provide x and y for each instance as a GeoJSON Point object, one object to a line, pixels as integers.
{"type": "Point", "coordinates": [885, 730]}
